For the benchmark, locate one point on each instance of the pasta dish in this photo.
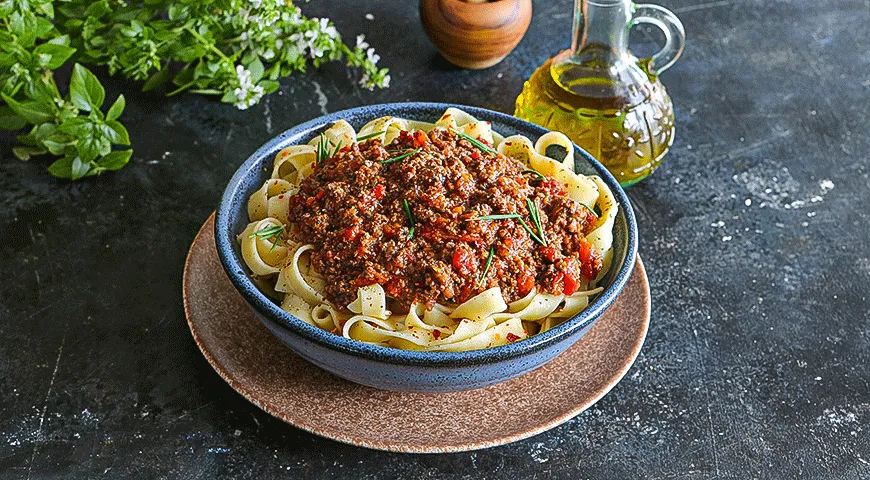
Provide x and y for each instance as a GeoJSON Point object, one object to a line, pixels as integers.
{"type": "Point", "coordinates": [421, 236]}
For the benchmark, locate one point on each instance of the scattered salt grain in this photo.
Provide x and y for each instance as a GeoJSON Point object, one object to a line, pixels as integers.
{"type": "Point", "coordinates": [369, 16]}
{"type": "Point", "coordinates": [726, 238]}
{"type": "Point", "coordinates": [747, 202]}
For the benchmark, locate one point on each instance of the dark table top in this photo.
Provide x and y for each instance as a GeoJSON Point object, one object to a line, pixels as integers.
{"type": "Point", "coordinates": [754, 233]}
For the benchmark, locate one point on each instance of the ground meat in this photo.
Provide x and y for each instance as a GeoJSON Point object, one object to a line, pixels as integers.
{"type": "Point", "coordinates": [352, 209]}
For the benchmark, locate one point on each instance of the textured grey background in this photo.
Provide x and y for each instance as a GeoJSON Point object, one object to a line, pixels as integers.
{"type": "Point", "coordinates": [754, 232]}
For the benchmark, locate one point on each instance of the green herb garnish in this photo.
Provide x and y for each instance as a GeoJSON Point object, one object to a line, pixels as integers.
{"type": "Point", "coordinates": [477, 143]}
{"type": "Point", "coordinates": [506, 216]}
{"type": "Point", "coordinates": [590, 209]}
{"type": "Point", "coordinates": [337, 148]}
{"type": "Point", "coordinates": [368, 136]}
{"type": "Point", "coordinates": [411, 220]}
{"type": "Point", "coordinates": [488, 264]}
{"type": "Point", "coordinates": [501, 216]}
{"type": "Point", "coordinates": [401, 157]}
{"type": "Point", "coordinates": [274, 233]}
{"type": "Point", "coordinates": [536, 218]}
{"type": "Point", "coordinates": [211, 48]}
{"type": "Point", "coordinates": [530, 232]}
{"type": "Point", "coordinates": [322, 150]}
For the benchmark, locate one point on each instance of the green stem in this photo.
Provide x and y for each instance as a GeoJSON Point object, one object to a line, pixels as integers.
{"type": "Point", "coordinates": [206, 43]}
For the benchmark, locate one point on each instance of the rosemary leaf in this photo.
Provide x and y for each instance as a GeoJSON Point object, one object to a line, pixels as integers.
{"type": "Point", "coordinates": [411, 220]}
{"type": "Point", "coordinates": [486, 268]}
{"type": "Point", "coordinates": [477, 143]}
{"type": "Point", "coordinates": [401, 157]}
{"type": "Point", "coordinates": [368, 136]}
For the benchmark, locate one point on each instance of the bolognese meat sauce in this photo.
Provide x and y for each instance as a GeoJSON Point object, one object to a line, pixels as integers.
{"type": "Point", "coordinates": [352, 208]}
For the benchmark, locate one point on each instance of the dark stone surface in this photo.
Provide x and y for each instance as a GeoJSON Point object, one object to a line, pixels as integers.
{"type": "Point", "coordinates": [758, 357]}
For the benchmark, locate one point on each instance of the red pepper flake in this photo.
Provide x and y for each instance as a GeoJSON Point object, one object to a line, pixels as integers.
{"type": "Point", "coordinates": [321, 194]}
{"type": "Point", "coordinates": [436, 334]}
{"type": "Point", "coordinates": [280, 197]}
{"type": "Point", "coordinates": [512, 338]}
{"type": "Point", "coordinates": [475, 155]}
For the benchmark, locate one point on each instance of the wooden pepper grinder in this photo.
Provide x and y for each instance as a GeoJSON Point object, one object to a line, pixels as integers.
{"type": "Point", "coordinates": [475, 33]}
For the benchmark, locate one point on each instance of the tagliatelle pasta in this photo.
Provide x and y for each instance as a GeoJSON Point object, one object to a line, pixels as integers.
{"type": "Point", "coordinates": [436, 237]}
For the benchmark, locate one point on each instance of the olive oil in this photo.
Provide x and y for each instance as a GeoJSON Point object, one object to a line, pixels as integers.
{"type": "Point", "coordinates": [605, 99]}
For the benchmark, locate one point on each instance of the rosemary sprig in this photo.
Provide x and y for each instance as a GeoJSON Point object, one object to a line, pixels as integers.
{"type": "Point", "coordinates": [536, 218]}
{"type": "Point", "coordinates": [322, 150]}
{"type": "Point", "coordinates": [536, 173]}
{"type": "Point", "coordinates": [337, 148]}
{"type": "Point", "coordinates": [268, 233]}
{"type": "Point", "coordinates": [591, 210]}
{"type": "Point", "coordinates": [411, 219]}
{"type": "Point", "coordinates": [530, 232]}
{"type": "Point", "coordinates": [500, 216]}
{"type": "Point", "coordinates": [506, 216]}
{"type": "Point", "coordinates": [486, 268]}
{"type": "Point", "coordinates": [401, 157]}
{"type": "Point", "coordinates": [368, 136]}
{"type": "Point", "coordinates": [477, 143]}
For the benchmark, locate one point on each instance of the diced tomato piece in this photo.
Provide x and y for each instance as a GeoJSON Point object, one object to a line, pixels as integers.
{"type": "Point", "coordinates": [591, 261]}
{"type": "Point", "coordinates": [351, 234]}
{"type": "Point", "coordinates": [475, 155]}
{"type": "Point", "coordinates": [585, 252]}
{"type": "Point", "coordinates": [420, 138]}
{"type": "Point", "coordinates": [553, 186]}
{"type": "Point", "coordinates": [571, 284]}
{"type": "Point", "coordinates": [525, 284]}
{"type": "Point", "coordinates": [512, 338]}
{"type": "Point", "coordinates": [379, 191]}
{"type": "Point", "coordinates": [463, 261]}
{"type": "Point", "coordinates": [436, 334]}
{"type": "Point", "coordinates": [320, 194]}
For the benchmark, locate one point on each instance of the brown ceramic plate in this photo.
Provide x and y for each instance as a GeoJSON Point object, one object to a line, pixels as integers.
{"type": "Point", "coordinates": [271, 376]}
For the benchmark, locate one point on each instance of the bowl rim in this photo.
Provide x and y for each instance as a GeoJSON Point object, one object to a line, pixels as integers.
{"type": "Point", "coordinates": [236, 270]}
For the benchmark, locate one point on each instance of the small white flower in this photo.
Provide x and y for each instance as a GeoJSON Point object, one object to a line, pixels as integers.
{"type": "Point", "coordinates": [372, 56]}
{"type": "Point", "coordinates": [279, 43]}
{"type": "Point", "coordinates": [269, 54]}
{"type": "Point", "coordinates": [386, 83]}
{"type": "Point", "coordinates": [244, 36]}
{"type": "Point", "coordinates": [361, 42]}
{"type": "Point", "coordinates": [256, 3]}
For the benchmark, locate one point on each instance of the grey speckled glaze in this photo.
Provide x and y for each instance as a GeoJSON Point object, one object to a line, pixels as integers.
{"type": "Point", "coordinates": [394, 369]}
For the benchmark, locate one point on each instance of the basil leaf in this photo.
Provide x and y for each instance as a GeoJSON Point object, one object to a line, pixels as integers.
{"type": "Point", "coordinates": [116, 108]}
{"type": "Point", "coordinates": [156, 80]}
{"type": "Point", "coordinates": [62, 168]}
{"type": "Point", "coordinates": [88, 148]}
{"type": "Point", "coordinates": [33, 112]}
{"type": "Point", "coordinates": [9, 120]}
{"type": "Point", "coordinates": [77, 127]}
{"type": "Point", "coordinates": [116, 132]}
{"type": "Point", "coordinates": [24, 153]}
{"type": "Point", "coordinates": [256, 68]}
{"type": "Point", "coordinates": [85, 90]}
{"type": "Point", "coordinates": [115, 160]}
{"type": "Point", "coordinates": [79, 168]}
{"type": "Point", "coordinates": [52, 56]}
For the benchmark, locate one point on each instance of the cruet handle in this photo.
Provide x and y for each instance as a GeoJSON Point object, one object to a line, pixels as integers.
{"type": "Point", "coordinates": [675, 35]}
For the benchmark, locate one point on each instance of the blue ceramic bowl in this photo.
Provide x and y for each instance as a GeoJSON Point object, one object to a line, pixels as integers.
{"type": "Point", "coordinates": [394, 369]}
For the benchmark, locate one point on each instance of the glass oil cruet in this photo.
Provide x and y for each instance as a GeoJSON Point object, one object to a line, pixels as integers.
{"type": "Point", "coordinates": [604, 98]}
